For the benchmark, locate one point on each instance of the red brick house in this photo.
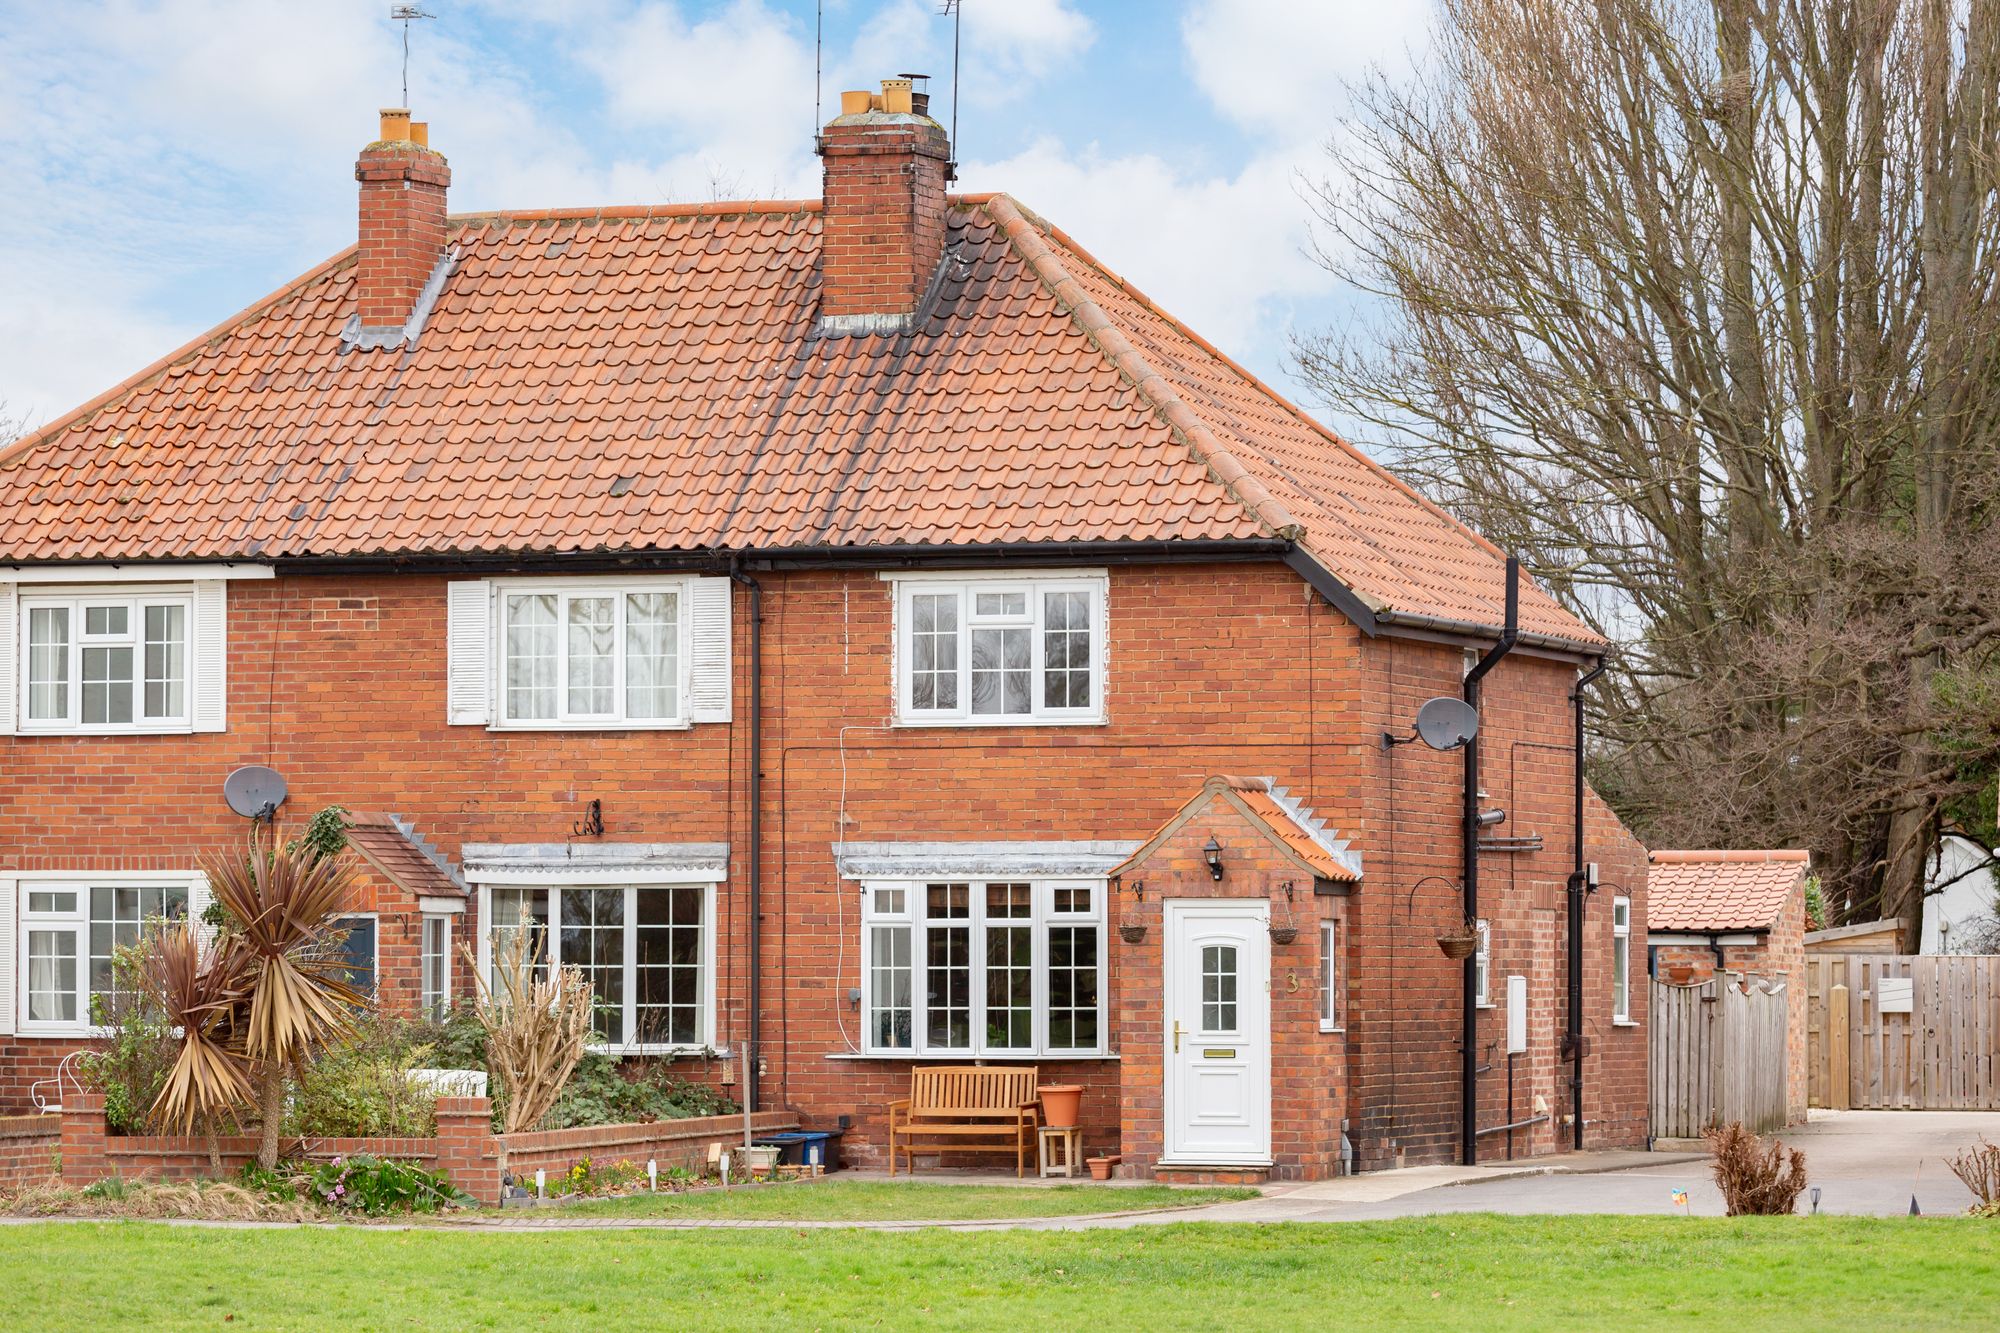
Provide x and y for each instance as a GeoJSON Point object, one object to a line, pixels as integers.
{"type": "Point", "coordinates": [1741, 912]}
{"type": "Point", "coordinates": [815, 616]}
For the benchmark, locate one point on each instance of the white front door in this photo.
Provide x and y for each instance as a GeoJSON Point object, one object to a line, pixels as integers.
{"type": "Point", "coordinates": [1217, 961]}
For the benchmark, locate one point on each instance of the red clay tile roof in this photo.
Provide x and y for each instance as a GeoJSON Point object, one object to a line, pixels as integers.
{"type": "Point", "coordinates": [1317, 848]}
{"type": "Point", "coordinates": [650, 379]}
{"type": "Point", "coordinates": [1720, 890]}
{"type": "Point", "coordinates": [393, 849]}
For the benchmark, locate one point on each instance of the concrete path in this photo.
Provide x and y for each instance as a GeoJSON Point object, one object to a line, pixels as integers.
{"type": "Point", "coordinates": [1867, 1162]}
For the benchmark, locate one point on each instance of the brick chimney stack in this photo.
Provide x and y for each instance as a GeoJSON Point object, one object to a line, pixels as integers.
{"type": "Point", "coordinates": [886, 164]}
{"type": "Point", "coordinates": [403, 185]}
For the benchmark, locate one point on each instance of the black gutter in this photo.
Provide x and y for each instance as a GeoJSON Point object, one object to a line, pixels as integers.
{"type": "Point", "coordinates": [1469, 853]}
{"type": "Point", "coordinates": [775, 557]}
{"type": "Point", "coordinates": [755, 1059]}
{"type": "Point", "coordinates": [1579, 884]}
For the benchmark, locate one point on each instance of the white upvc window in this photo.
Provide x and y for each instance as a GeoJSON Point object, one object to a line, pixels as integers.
{"type": "Point", "coordinates": [1621, 960]}
{"type": "Point", "coordinates": [434, 966]}
{"type": "Point", "coordinates": [70, 929]}
{"type": "Point", "coordinates": [1482, 966]}
{"type": "Point", "coordinates": [983, 967]}
{"type": "Point", "coordinates": [120, 660]}
{"type": "Point", "coordinates": [989, 650]}
{"type": "Point", "coordinates": [1329, 976]}
{"type": "Point", "coordinates": [647, 950]}
{"type": "Point", "coordinates": [608, 653]}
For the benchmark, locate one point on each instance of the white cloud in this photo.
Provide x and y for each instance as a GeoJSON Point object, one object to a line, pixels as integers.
{"type": "Point", "coordinates": [1025, 38]}
{"type": "Point", "coordinates": [1278, 65]}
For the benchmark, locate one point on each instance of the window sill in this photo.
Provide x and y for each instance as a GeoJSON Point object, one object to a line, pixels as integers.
{"type": "Point", "coordinates": [1625, 1023]}
{"type": "Point", "coordinates": [1485, 1004]}
{"type": "Point", "coordinates": [996, 723]}
{"type": "Point", "coordinates": [938, 1058]}
{"type": "Point", "coordinates": [590, 726]}
{"type": "Point", "coordinates": [171, 729]}
{"type": "Point", "coordinates": [647, 1048]}
{"type": "Point", "coordinates": [1331, 1029]}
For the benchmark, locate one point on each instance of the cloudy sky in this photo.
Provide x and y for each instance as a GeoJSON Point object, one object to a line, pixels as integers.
{"type": "Point", "coordinates": [170, 161]}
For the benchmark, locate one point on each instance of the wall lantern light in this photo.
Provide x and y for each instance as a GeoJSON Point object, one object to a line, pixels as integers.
{"type": "Point", "coordinates": [1212, 854]}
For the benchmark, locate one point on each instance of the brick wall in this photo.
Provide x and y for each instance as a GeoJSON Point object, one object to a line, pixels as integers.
{"type": "Point", "coordinates": [1226, 668]}
{"type": "Point", "coordinates": [30, 1150]}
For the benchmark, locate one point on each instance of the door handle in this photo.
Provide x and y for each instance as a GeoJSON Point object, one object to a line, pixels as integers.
{"type": "Point", "coordinates": [1177, 1036]}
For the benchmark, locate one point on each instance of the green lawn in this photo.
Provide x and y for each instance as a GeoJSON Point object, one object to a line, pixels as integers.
{"type": "Point", "coordinates": [1466, 1271]}
{"type": "Point", "coordinates": [895, 1201]}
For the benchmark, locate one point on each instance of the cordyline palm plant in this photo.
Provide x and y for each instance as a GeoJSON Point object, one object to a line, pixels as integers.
{"type": "Point", "coordinates": [297, 999]}
{"type": "Point", "coordinates": [200, 991]}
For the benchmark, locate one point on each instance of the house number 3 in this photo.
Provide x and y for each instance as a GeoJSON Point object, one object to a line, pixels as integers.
{"type": "Point", "coordinates": [1292, 982]}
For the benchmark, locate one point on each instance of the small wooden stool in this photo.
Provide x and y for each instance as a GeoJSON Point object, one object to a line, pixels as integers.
{"type": "Point", "coordinates": [1071, 1139]}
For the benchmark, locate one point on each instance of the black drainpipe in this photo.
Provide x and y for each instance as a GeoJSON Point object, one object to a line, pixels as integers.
{"type": "Point", "coordinates": [1469, 1026]}
{"type": "Point", "coordinates": [1579, 884]}
{"type": "Point", "coordinates": [756, 822]}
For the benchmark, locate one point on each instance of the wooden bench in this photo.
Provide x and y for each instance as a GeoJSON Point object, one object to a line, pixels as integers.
{"type": "Point", "coordinates": [951, 1104]}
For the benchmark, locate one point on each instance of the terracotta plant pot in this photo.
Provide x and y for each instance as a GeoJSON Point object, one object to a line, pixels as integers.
{"type": "Point", "coordinates": [1062, 1104]}
{"type": "Point", "coordinates": [1680, 974]}
{"type": "Point", "coordinates": [1100, 1167]}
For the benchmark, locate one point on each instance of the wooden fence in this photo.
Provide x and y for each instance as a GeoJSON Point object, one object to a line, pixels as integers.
{"type": "Point", "coordinates": [1718, 1054]}
{"type": "Point", "coordinates": [1903, 1032]}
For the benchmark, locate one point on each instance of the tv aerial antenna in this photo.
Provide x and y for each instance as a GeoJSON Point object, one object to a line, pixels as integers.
{"type": "Point", "coordinates": [955, 11]}
{"type": "Point", "coordinates": [406, 15]}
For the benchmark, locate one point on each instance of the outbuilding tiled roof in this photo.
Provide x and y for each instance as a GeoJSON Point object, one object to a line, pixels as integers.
{"type": "Point", "coordinates": [1708, 891]}
{"type": "Point", "coordinates": [391, 846]}
{"type": "Point", "coordinates": [653, 380]}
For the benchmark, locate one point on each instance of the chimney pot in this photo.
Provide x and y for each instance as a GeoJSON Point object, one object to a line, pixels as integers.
{"type": "Point", "coordinates": [420, 133]}
{"type": "Point", "coordinates": [395, 124]}
{"type": "Point", "coordinates": [855, 103]}
{"type": "Point", "coordinates": [896, 96]}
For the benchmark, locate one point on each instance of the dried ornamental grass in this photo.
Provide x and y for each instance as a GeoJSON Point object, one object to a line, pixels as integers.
{"type": "Point", "coordinates": [1756, 1181]}
{"type": "Point", "coordinates": [536, 1027]}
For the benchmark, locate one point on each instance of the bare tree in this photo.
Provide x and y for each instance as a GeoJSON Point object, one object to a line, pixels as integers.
{"type": "Point", "coordinates": [1695, 304]}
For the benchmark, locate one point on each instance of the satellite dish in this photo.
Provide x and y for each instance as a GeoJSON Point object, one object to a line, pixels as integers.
{"type": "Point", "coordinates": [1446, 723]}
{"type": "Point", "coordinates": [255, 792]}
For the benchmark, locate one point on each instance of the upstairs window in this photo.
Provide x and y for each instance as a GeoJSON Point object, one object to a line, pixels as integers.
{"type": "Point", "coordinates": [603, 655]}
{"type": "Point", "coordinates": [107, 663]}
{"type": "Point", "coordinates": [1000, 651]}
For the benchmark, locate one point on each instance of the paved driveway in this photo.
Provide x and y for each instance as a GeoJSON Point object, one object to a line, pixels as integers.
{"type": "Point", "coordinates": [1862, 1162]}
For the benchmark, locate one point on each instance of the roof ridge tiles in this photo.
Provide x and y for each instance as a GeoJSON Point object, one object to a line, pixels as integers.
{"type": "Point", "coordinates": [1226, 469]}
{"type": "Point", "coordinates": [1746, 856]}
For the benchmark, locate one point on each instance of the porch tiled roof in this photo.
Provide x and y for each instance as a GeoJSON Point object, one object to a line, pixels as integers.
{"type": "Point", "coordinates": [1315, 846]}
{"type": "Point", "coordinates": [653, 380]}
{"type": "Point", "coordinates": [1728, 890]}
{"type": "Point", "coordinates": [391, 846]}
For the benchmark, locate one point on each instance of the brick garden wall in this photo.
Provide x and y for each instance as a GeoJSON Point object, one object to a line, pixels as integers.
{"type": "Point", "coordinates": [30, 1149]}
{"type": "Point", "coordinates": [338, 682]}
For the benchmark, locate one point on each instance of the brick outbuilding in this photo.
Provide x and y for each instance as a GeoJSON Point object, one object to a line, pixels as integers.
{"type": "Point", "coordinates": [824, 622]}
{"type": "Point", "coordinates": [1738, 912]}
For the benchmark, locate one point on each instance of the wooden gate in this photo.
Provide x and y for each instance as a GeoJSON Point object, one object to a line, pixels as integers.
{"type": "Point", "coordinates": [1718, 1054]}
{"type": "Point", "coordinates": [1903, 1031]}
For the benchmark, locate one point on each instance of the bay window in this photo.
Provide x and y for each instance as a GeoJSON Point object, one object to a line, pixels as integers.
{"type": "Point", "coordinates": [996, 967]}
{"type": "Point", "coordinates": [1000, 650]}
{"type": "Point", "coordinates": [70, 932]}
{"type": "Point", "coordinates": [646, 951]}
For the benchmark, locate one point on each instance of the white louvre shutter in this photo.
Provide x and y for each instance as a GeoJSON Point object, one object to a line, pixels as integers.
{"type": "Point", "coordinates": [469, 653]}
{"type": "Point", "coordinates": [10, 620]}
{"type": "Point", "coordinates": [709, 664]}
{"type": "Point", "coordinates": [9, 908]}
{"type": "Point", "coordinates": [198, 900]}
{"type": "Point", "coordinates": [209, 643]}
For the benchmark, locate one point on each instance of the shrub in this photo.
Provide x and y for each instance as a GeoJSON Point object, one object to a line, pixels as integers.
{"type": "Point", "coordinates": [1756, 1181]}
{"type": "Point", "coordinates": [361, 1086]}
{"type": "Point", "coordinates": [1979, 1167]}
{"type": "Point", "coordinates": [587, 1177]}
{"type": "Point", "coordinates": [370, 1186]}
{"type": "Point", "coordinates": [132, 1066]}
{"type": "Point", "coordinates": [601, 1092]}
